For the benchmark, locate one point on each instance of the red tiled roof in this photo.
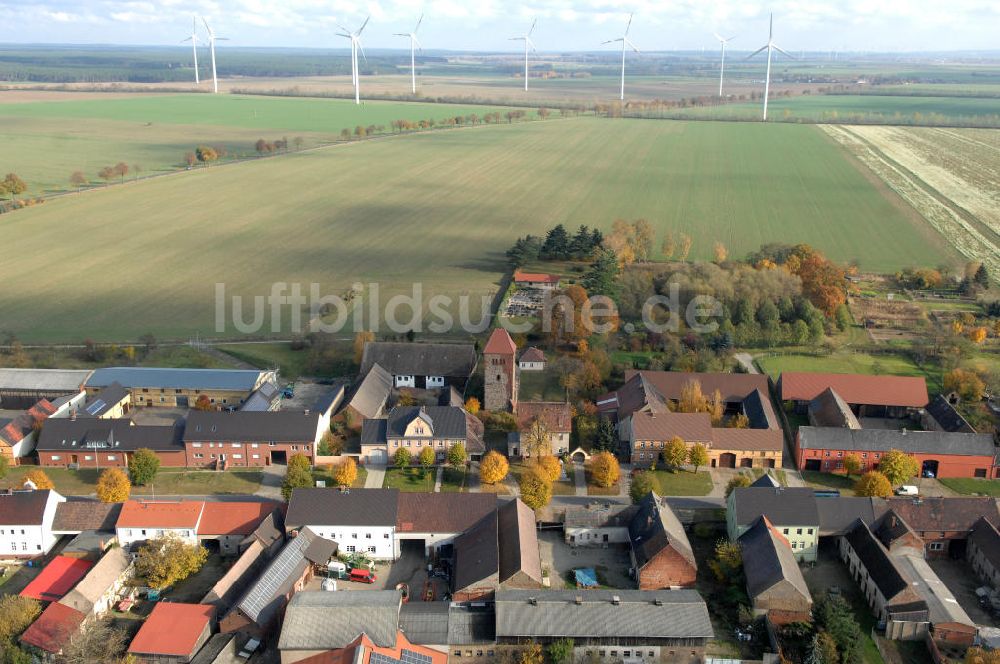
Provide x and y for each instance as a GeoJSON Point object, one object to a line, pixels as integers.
{"type": "Point", "coordinates": [558, 417]}
{"type": "Point", "coordinates": [21, 426]}
{"type": "Point", "coordinates": [140, 514]}
{"type": "Point", "coordinates": [691, 427]}
{"type": "Point", "coordinates": [172, 629]}
{"type": "Point", "coordinates": [57, 579]}
{"type": "Point", "coordinates": [533, 355]}
{"type": "Point", "coordinates": [500, 343]}
{"type": "Point", "coordinates": [910, 391]}
{"type": "Point", "coordinates": [233, 518]}
{"type": "Point", "coordinates": [54, 628]}
{"type": "Point", "coordinates": [535, 277]}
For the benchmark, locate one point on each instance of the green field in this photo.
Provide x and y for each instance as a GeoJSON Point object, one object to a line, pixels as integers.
{"type": "Point", "coordinates": [437, 208]}
{"type": "Point", "coordinates": [882, 109]}
{"type": "Point", "coordinates": [45, 141]}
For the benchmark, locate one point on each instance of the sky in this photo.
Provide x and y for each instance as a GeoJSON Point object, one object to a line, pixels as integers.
{"type": "Point", "coordinates": [487, 25]}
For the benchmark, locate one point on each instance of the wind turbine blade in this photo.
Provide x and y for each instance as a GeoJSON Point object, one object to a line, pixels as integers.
{"type": "Point", "coordinates": [530, 43]}
{"type": "Point", "coordinates": [729, 39]}
{"type": "Point", "coordinates": [532, 27]}
{"type": "Point", "coordinates": [633, 46]}
{"type": "Point", "coordinates": [779, 50]}
{"type": "Point", "coordinates": [186, 40]}
{"type": "Point", "coordinates": [362, 49]}
{"type": "Point", "coordinates": [628, 25]}
{"type": "Point", "coordinates": [612, 41]}
{"type": "Point", "coordinates": [210, 33]}
{"type": "Point", "coordinates": [401, 34]}
{"type": "Point", "coordinates": [759, 50]}
{"type": "Point", "coordinates": [362, 28]}
{"type": "Point", "coordinates": [770, 29]}
{"type": "Point", "coordinates": [417, 42]}
{"type": "Point", "coordinates": [222, 39]}
{"type": "Point", "coordinates": [419, 21]}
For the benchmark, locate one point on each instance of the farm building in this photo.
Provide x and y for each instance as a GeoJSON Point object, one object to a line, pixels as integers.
{"type": "Point", "coordinates": [57, 578]}
{"type": "Point", "coordinates": [420, 365]}
{"type": "Point", "coordinates": [775, 583]}
{"type": "Point", "coordinates": [256, 550]}
{"type": "Point", "coordinates": [370, 397]}
{"type": "Point", "coordinates": [868, 396]}
{"type": "Point", "coordinates": [180, 388]}
{"type": "Point", "coordinates": [141, 520]}
{"type": "Point", "coordinates": [94, 443]}
{"type": "Point", "coordinates": [537, 280]}
{"type": "Point", "coordinates": [415, 428]}
{"type": "Point", "coordinates": [52, 630]}
{"type": "Point", "coordinates": [941, 415]}
{"type": "Point", "coordinates": [939, 453]}
{"type": "Point", "coordinates": [597, 524]}
{"type": "Point", "coordinates": [983, 552]}
{"type": "Point", "coordinates": [19, 429]}
{"type": "Point", "coordinates": [661, 553]}
{"type": "Point", "coordinates": [110, 403]}
{"type": "Point", "coordinates": [20, 388]}
{"type": "Point", "coordinates": [220, 439]}
{"type": "Point", "coordinates": [172, 634]}
{"type": "Point", "coordinates": [556, 416]}
{"type": "Point", "coordinates": [792, 511]}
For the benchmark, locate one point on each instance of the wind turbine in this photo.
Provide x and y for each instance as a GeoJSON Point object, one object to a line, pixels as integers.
{"type": "Point", "coordinates": [194, 46]}
{"type": "Point", "coordinates": [722, 68]}
{"type": "Point", "coordinates": [625, 42]}
{"type": "Point", "coordinates": [526, 38]}
{"type": "Point", "coordinates": [414, 42]}
{"type": "Point", "coordinates": [355, 38]}
{"type": "Point", "coordinates": [770, 46]}
{"type": "Point", "coordinates": [211, 45]}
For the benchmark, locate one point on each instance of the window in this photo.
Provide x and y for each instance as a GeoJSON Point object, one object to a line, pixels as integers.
{"type": "Point", "coordinates": [354, 536]}
{"type": "Point", "coordinates": [386, 536]}
{"type": "Point", "coordinates": [810, 531]}
{"type": "Point", "coordinates": [350, 549]}
{"type": "Point", "coordinates": [253, 445]}
{"type": "Point", "coordinates": [87, 457]}
{"type": "Point", "coordinates": [237, 456]}
{"type": "Point", "coordinates": [785, 531]}
{"type": "Point", "coordinates": [256, 456]}
{"type": "Point", "coordinates": [195, 444]}
{"type": "Point", "coordinates": [371, 549]}
{"type": "Point", "coordinates": [112, 457]}
{"type": "Point", "coordinates": [936, 546]}
{"type": "Point", "coordinates": [56, 457]}
{"type": "Point", "coordinates": [199, 456]}
{"type": "Point", "coordinates": [368, 535]}
{"type": "Point", "coordinates": [798, 531]}
{"type": "Point", "coordinates": [236, 445]}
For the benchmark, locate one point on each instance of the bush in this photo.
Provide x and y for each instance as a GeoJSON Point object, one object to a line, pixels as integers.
{"type": "Point", "coordinates": [642, 484]}
{"type": "Point", "coordinates": [401, 458]}
{"type": "Point", "coordinates": [426, 457]}
{"type": "Point", "coordinates": [456, 455]}
{"type": "Point", "coordinates": [299, 461]}
{"type": "Point", "coordinates": [604, 469]}
{"type": "Point", "coordinates": [738, 482]}
{"type": "Point", "coordinates": [898, 466]}
{"type": "Point", "coordinates": [16, 614]}
{"type": "Point", "coordinates": [873, 484]}
{"type": "Point", "coordinates": [548, 467]}
{"type": "Point", "coordinates": [143, 466]}
{"type": "Point", "coordinates": [536, 491]}
{"type": "Point", "coordinates": [296, 478]}
{"type": "Point", "coordinates": [113, 486]}
{"type": "Point", "coordinates": [494, 468]}
{"type": "Point", "coordinates": [38, 477]}
{"type": "Point", "coordinates": [164, 561]}
{"type": "Point", "coordinates": [345, 473]}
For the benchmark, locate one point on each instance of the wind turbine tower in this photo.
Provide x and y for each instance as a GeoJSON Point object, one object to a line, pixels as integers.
{"type": "Point", "coordinates": [355, 38]}
{"type": "Point", "coordinates": [194, 47]}
{"type": "Point", "coordinates": [414, 43]}
{"type": "Point", "coordinates": [722, 68]}
{"type": "Point", "coordinates": [526, 37]}
{"type": "Point", "coordinates": [211, 45]}
{"type": "Point", "coordinates": [625, 42]}
{"type": "Point", "coordinates": [770, 47]}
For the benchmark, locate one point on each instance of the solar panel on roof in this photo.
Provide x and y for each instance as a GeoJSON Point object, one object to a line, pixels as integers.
{"type": "Point", "coordinates": [406, 657]}
{"type": "Point", "coordinates": [96, 407]}
{"type": "Point", "coordinates": [279, 572]}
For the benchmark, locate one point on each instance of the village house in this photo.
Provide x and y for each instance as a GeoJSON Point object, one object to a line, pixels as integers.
{"type": "Point", "coordinates": [983, 552]}
{"type": "Point", "coordinates": [180, 388]}
{"type": "Point", "coordinates": [110, 403]}
{"type": "Point", "coordinates": [261, 605]}
{"type": "Point", "coordinates": [19, 430]}
{"type": "Point", "coordinates": [939, 453]}
{"type": "Point", "coordinates": [608, 625]}
{"type": "Point", "coordinates": [536, 280]}
{"type": "Point", "coordinates": [775, 583]}
{"type": "Point", "coordinates": [141, 520]}
{"type": "Point", "coordinates": [370, 397]}
{"type": "Point", "coordinates": [532, 359]}
{"type": "Point", "coordinates": [226, 525]}
{"type": "Point", "coordinates": [661, 553]}
{"type": "Point", "coordinates": [597, 524]}
{"type": "Point", "coordinates": [791, 511]}
{"type": "Point", "coordinates": [944, 524]}
{"type": "Point", "coordinates": [557, 418]}
{"type": "Point", "coordinates": [91, 524]}
{"type": "Point", "coordinates": [172, 634]}
{"type": "Point", "coordinates": [421, 365]}
{"type": "Point", "coordinates": [867, 396]}
{"type": "Point", "coordinates": [86, 442]}
{"type": "Point", "coordinates": [415, 428]}
{"type": "Point", "coordinates": [885, 586]}
{"type": "Point", "coordinates": [26, 522]}
{"type": "Point", "coordinates": [224, 440]}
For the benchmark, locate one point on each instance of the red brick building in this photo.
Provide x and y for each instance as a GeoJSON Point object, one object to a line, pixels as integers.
{"type": "Point", "coordinates": [661, 553]}
{"type": "Point", "coordinates": [249, 438]}
{"type": "Point", "coordinates": [95, 443]}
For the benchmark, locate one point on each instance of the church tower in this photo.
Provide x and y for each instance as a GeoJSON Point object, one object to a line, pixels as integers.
{"type": "Point", "coordinates": [500, 365]}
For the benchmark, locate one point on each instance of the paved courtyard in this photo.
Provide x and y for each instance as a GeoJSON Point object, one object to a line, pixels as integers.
{"type": "Point", "coordinates": [612, 564]}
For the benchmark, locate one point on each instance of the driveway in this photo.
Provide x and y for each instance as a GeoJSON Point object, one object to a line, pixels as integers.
{"type": "Point", "coordinates": [375, 478]}
{"type": "Point", "coordinates": [270, 482]}
{"type": "Point", "coordinates": [612, 564]}
{"type": "Point", "coordinates": [959, 578]}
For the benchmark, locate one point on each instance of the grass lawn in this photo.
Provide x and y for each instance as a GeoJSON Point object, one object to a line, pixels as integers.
{"type": "Point", "coordinates": [325, 473]}
{"type": "Point", "coordinates": [410, 479]}
{"type": "Point", "coordinates": [559, 488]}
{"type": "Point", "coordinates": [452, 480]}
{"type": "Point", "coordinates": [684, 483]}
{"type": "Point", "coordinates": [971, 486]}
{"type": "Point", "coordinates": [829, 481]}
{"type": "Point", "coordinates": [419, 208]}
{"type": "Point", "coordinates": [541, 386]}
{"type": "Point", "coordinates": [776, 473]}
{"type": "Point", "coordinates": [168, 482]}
{"type": "Point", "coordinates": [594, 490]}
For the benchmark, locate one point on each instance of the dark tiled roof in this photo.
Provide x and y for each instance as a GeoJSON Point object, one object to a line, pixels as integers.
{"type": "Point", "coordinates": [766, 481]}
{"type": "Point", "coordinates": [658, 614]}
{"type": "Point", "coordinates": [947, 417]}
{"type": "Point", "coordinates": [753, 440]}
{"type": "Point", "coordinates": [691, 427]}
{"type": "Point", "coordinates": [424, 512]}
{"type": "Point", "coordinates": [333, 507]}
{"type": "Point", "coordinates": [654, 528]}
{"type": "Point", "coordinates": [281, 426]}
{"type": "Point", "coordinates": [443, 421]}
{"type": "Point", "coordinates": [883, 440]}
{"type": "Point", "coordinates": [944, 514]}
{"type": "Point", "coordinates": [23, 508]}
{"type": "Point", "coordinates": [757, 407]}
{"type": "Point", "coordinates": [986, 538]}
{"type": "Point", "coordinates": [205, 379]}
{"type": "Point", "coordinates": [326, 621]}
{"type": "Point", "coordinates": [830, 410]}
{"type": "Point", "coordinates": [518, 542]}
{"type": "Point", "coordinates": [783, 507]}
{"type": "Point", "coordinates": [475, 440]}
{"type": "Point", "coordinates": [837, 514]}
{"type": "Point", "coordinates": [599, 515]}
{"type": "Point", "coordinates": [420, 359]}
{"type": "Point", "coordinates": [471, 625]}
{"type": "Point", "coordinates": [890, 527]}
{"type": "Point", "coordinates": [905, 391]}
{"type": "Point", "coordinates": [87, 433]}
{"type": "Point", "coordinates": [372, 393]}
{"type": "Point", "coordinates": [425, 623]}
{"type": "Point", "coordinates": [104, 400]}
{"type": "Point", "coordinates": [76, 516]}
{"type": "Point", "coordinates": [768, 560]}
{"type": "Point", "coordinates": [373, 432]}
{"type": "Point", "coordinates": [892, 582]}
{"type": "Point", "coordinates": [477, 553]}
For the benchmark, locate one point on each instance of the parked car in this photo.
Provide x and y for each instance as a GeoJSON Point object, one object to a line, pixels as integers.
{"type": "Point", "coordinates": [363, 576]}
{"type": "Point", "coordinates": [907, 490]}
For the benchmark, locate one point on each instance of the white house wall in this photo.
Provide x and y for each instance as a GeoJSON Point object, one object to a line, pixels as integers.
{"type": "Point", "coordinates": [128, 536]}
{"type": "Point", "coordinates": [352, 539]}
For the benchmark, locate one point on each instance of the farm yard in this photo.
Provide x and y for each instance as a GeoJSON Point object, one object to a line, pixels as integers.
{"type": "Point", "coordinates": [438, 208]}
